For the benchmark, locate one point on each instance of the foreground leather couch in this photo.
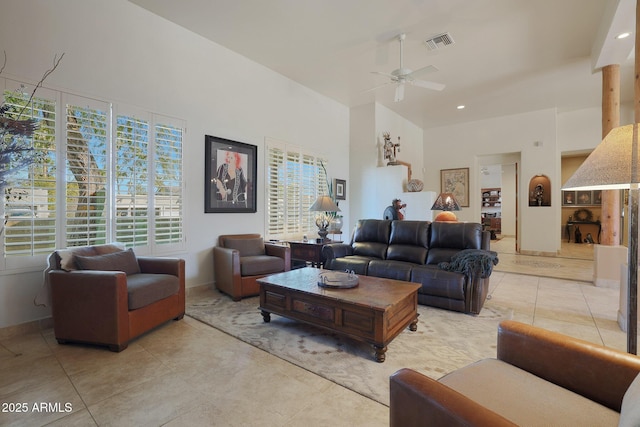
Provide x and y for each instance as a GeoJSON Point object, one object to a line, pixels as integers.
{"type": "Point", "coordinates": [105, 295]}
{"type": "Point", "coordinates": [540, 378]}
{"type": "Point", "coordinates": [415, 251]}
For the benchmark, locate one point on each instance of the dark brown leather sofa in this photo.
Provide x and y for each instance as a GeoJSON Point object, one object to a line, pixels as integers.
{"type": "Point", "coordinates": [539, 378]}
{"type": "Point", "coordinates": [413, 251]}
{"type": "Point", "coordinates": [115, 298]}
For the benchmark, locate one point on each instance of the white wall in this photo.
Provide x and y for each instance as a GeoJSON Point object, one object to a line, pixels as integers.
{"type": "Point", "coordinates": [117, 51]}
{"type": "Point", "coordinates": [368, 122]}
{"type": "Point", "coordinates": [533, 135]}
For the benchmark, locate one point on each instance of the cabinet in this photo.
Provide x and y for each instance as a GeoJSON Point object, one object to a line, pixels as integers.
{"type": "Point", "coordinates": [491, 210]}
{"type": "Point", "coordinates": [491, 197]}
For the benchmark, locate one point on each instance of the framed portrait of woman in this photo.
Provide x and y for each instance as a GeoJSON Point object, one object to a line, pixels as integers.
{"type": "Point", "coordinates": [230, 176]}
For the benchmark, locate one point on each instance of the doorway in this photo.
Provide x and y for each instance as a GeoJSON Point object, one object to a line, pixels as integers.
{"type": "Point", "coordinates": [498, 184]}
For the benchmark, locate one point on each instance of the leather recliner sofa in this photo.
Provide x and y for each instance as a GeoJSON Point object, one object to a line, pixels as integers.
{"type": "Point", "coordinates": [415, 251]}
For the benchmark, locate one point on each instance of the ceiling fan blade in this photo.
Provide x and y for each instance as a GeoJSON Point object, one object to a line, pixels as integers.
{"type": "Point", "coordinates": [428, 85]}
{"type": "Point", "coordinates": [390, 76]}
{"type": "Point", "coordinates": [399, 92]}
{"type": "Point", "coordinates": [422, 71]}
{"type": "Point", "coordinates": [377, 87]}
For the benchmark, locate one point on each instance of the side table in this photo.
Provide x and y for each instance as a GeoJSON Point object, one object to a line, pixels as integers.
{"type": "Point", "coordinates": [308, 251]}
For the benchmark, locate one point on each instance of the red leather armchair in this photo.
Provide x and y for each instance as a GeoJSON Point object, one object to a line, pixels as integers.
{"type": "Point", "coordinates": [240, 260]}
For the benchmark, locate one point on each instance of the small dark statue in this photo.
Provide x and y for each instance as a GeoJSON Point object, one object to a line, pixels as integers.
{"type": "Point", "coordinates": [578, 235]}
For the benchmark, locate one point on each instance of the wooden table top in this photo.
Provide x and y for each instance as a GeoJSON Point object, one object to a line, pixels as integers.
{"type": "Point", "coordinates": [370, 292]}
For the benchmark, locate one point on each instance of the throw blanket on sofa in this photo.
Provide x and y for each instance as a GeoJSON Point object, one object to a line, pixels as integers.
{"type": "Point", "coordinates": [472, 262]}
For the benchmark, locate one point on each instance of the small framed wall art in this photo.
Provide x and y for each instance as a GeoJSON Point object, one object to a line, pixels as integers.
{"type": "Point", "coordinates": [341, 189]}
{"type": "Point", "coordinates": [230, 175]}
{"type": "Point", "coordinates": [456, 181]}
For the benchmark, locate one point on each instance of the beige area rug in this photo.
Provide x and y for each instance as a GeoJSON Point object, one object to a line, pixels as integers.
{"type": "Point", "coordinates": [444, 341]}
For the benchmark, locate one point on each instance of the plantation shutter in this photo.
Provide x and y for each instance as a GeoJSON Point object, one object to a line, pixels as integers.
{"type": "Point", "coordinates": [30, 192]}
{"type": "Point", "coordinates": [86, 173]}
{"type": "Point", "coordinates": [276, 214]}
{"type": "Point", "coordinates": [294, 181]}
{"type": "Point", "coordinates": [168, 185]}
{"type": "Point", "coordinates": [131, 181]}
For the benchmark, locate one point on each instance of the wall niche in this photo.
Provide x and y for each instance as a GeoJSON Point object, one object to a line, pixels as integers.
{"type": "Point", "coordinates": [540, 191]}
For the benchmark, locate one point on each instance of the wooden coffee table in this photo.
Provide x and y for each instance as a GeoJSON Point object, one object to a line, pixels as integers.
{"type": "Point", "coordinates": [375, 311]}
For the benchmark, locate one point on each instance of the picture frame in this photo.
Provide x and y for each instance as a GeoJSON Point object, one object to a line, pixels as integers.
{"type": "Point", "coordinates": [340, 186]}
{"type": "Point", "coordinates": [568, 198]}
{"type": "Point", "coordinates": [456, 181]}
{"type": "Point", "coordinates": [583, 198]}
{"type": "Point", "coordinates": [229, 188]}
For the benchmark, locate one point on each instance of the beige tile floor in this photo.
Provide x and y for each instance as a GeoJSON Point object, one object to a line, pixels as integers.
{"type": "Point", "coordinates": [187, 373]}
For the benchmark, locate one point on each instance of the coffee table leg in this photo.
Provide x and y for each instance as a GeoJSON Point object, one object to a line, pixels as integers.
{"type": "Point", "coordinates": [266, 316]}
{"type": "Point", "coordinates": [414, 325]}
{"type": "Point", "coordinates": [380, 353]}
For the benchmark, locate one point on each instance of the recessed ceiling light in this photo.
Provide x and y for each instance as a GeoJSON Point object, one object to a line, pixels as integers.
{"type": "Point", "coordinates": [460, 107]}
{"type": "Point", "coordinates": [622, 36]}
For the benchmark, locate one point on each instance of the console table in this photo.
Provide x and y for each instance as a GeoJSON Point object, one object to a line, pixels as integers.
{"type": "Point", "coordinates": [308, 251]}
{"type": "Point", "coordinates": [570, 224]}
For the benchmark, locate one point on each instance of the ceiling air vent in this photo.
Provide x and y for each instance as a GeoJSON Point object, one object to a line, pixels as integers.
{"type": "Point", "coordinates": [439, 41]}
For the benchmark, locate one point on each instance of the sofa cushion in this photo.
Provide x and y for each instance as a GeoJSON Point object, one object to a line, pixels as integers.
{"type": "Point", "coordinates": [438, 282]}
{"type": "Point", "coordinates": [355, 263]}
{"type": "Point", "coordinates": [66, 257]}
{"type": "Point", "coordinates": [260, 264]}
{"type": "Point", "coordinates": [456, 235]}
{"type": "Point", "coordinates": [630, 412]}
{"type": "Point", "coordinates": [409, 241]}
{"type": "Point", "coordinates": [371, 238]}
{"type": "Point", "coordinates": [438, 255]}
{"type": "Point", "coordinates": [246, 247]}
{"type": "Point", "coordinates": [146, 288]}
{"type": "Point", "coordinates": [398, 270]}
{"type": "Point", "coordinates": [524, 398]}
{"type": "Point", "coordinates": [117, 261]}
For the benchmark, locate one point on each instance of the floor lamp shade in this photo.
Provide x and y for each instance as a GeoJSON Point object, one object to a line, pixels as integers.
{"type": "Point", "coordinates": [614, 165]}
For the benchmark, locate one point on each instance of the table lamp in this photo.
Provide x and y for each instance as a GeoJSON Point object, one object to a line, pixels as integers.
{"type": "Point", "coordinates": [613, 165]}
{"type": "Point", "coordinates": [446, 202]}
{"type": "Point", "coordinates": [325, 206]}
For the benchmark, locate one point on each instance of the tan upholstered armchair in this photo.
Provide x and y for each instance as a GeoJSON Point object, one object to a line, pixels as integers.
{"type": "Point", "coordinates": [240, 260]}
{"type": "Point", "coordinates": [105, 295]}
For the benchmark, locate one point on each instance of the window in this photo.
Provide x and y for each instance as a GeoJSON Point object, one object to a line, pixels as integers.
{"type": "Point", "coordinates": [92, 185]}
{"type": "Point", "coordinates": [295, 178]}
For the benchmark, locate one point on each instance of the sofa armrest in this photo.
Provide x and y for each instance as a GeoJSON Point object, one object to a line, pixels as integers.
{"type": "Point", "coordinates": [90, 304]}
{"type": "Point", "coordinates": [173, 266]}
{"type": "Point", "coordinates": [226, 269]}
{"type": "Point", "coordinates": [336, 250]}
{"type": "Point", "coordinates": [417, 400]}
{"type": "Point", "coordinates": [596, 372]}
{"type": "Point", "coordinates": [280, 251]}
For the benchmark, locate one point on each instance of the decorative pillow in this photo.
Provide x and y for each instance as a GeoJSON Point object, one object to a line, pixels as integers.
{"type": "Point", "coordinates": [67, 260]}
{"type": "Point", "coordinates": [246, 247]}
{"type": "Point", "coordinates": [630, 411]}
{"type": "Point", "coordinates": [117, 261]}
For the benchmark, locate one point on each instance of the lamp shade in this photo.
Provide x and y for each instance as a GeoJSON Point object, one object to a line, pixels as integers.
{"type": "Point", "coordinates": [445, 202]}
{"type": "Point", "coordinates": [324, 204]}
{"type": "Point", "coordinates": [612, 165]}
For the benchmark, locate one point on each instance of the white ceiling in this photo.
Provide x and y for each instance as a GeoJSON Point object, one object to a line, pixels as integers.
{"type": "Point", "coordinates": [509, 56]}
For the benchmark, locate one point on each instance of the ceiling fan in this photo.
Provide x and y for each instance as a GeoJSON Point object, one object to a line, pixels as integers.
{"type": "Point", "coordinates": [401, 76]}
